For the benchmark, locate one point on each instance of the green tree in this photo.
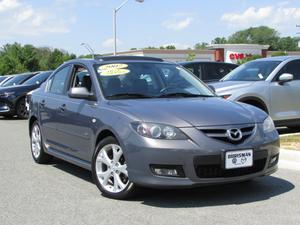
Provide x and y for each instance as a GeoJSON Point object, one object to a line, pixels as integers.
{"type": "Point", "coordinates": [15, 58]}
{"type": "Point", "coordinates": [191, 56]}
{"type": "Point", "coordinates": [219, 40]}
{"type": "Point", "coordinates": [201, 46]}
{"type": "Point", "coordinates": [287, 44]}
{"type": "Point", "coordinates": [256, 35]}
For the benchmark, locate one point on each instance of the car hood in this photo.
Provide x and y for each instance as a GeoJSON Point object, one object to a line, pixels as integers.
{"type": "Point", "coordinates": [187, 112]}
{"type": "Point", "coordinates": [223, 86]}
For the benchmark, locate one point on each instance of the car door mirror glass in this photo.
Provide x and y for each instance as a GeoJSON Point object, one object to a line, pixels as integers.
{"type": "Point", "coordinates": [81, 93]}
{"type": "Point", "coordinates": [286, 77]}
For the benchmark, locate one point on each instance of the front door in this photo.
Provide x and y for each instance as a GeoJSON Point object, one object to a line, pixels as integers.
{"type": "Point", "coordinates": [285, 98]}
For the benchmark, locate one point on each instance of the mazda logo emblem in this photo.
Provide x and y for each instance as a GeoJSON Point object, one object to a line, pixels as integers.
{"type": "Point", "coordinates": [235, 134]}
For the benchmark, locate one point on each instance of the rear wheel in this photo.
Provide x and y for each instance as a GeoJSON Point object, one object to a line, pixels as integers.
{"type": "Point", "coordinates": [22, 111]}
{"type": "Point", "coordinates": [109, 169]}
{"type": "Point", "coordinates": [37, 148]}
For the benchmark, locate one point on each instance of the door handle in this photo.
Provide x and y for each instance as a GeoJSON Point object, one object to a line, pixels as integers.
{"type": "Point", "coordinates": [62, 108]}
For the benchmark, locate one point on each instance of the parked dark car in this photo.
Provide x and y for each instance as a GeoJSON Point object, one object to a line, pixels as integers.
{"type": "Point", "coordinates": [12, 99]}
{"type": "Point", "coordinates": [209, 71]}
{"type": "Point", "coordinates": [18, 79]}
{"type": "Point", "coordinates": [140, 121]}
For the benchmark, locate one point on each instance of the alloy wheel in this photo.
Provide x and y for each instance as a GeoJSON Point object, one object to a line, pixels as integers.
{"type": "Point", "coordinates": [36, 141]}
{"type": "Point", "coordinates": [111, 169]}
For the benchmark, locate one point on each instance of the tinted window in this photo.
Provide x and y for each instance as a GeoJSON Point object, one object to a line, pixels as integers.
{"type": "Point", "coordinates": [216, 71]}
{"type": "Point", "coordinates": [293, 68]}
{"type": "Point", "coordinates": [38, 79]}
{"type": "Point", "coordinates": [17, 80]}
{"type": "Point", "coordinates": [58, 81]}
{"type": "Point", "coordinates": [252, 71]}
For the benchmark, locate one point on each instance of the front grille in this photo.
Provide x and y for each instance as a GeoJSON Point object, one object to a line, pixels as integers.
{"type": "Point", "coordinates": [222, 135]}
{"type": "Point", "coordinates": [212, 166]}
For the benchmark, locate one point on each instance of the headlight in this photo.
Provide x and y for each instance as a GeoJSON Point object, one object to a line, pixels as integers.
{"type": "Point", "coordinates": [268, 125]}
{"type": "Point", "coordinates": [158, 131]}
{"type": "Point", "coordinates": [6, 94]}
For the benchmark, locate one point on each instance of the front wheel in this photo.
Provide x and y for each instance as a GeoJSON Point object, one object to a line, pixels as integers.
{"type": "Point", "coordinates": [22, 111]}
{"type": "Point", "coordinates": [37, 148]}
{"type": "Point", "coordinates": [109, 169]}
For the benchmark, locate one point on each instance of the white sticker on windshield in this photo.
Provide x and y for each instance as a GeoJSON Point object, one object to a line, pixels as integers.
{"type": "Point", "coordinates": [113, 70]}
{"type": "Point", "coordinates": [260, 76]}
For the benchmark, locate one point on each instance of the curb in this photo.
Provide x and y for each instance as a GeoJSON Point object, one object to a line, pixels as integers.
{"type": "Point", "coordinates": [287, 135]}
{"type": "Point", "coordinates": [289, 159]}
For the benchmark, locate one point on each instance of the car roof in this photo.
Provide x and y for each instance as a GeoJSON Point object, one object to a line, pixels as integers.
{"type": "Point", "coordinates": [109, 59]}
{"type": "Point", "coordinates": [279, 58]}
{"type": "Point", "coordinates": [204, 61]}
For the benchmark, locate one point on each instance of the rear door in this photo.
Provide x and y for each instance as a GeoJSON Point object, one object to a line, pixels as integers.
{"type": "Point", "coordinates": [285, 98]}
{"type": "Point", "coordinates": [51, 109]}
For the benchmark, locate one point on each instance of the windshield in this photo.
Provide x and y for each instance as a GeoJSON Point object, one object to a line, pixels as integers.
{"type": "Point", "coordinates": [149, 80]}
{"type": "Point", "coordinates": [252, 71]}
{"type": "Point", "coordinates": [38, 79]}
{"type": "Point", "coordinates": [16, 80]}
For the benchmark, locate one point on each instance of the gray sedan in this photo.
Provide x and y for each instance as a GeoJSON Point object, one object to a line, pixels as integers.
{"type": "Point", "coordinates": [139, 121]}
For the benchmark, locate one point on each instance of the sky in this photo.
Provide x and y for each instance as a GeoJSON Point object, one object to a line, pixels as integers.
{"type": "Point", "coordinates": [65, 24]}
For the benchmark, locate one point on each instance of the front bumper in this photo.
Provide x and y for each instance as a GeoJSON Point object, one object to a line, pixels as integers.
{"type": "Point", "coordinates": [202, 163]}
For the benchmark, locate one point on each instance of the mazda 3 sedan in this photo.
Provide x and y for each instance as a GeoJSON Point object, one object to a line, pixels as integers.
{"type": "Point", "coordinates": [143, 122]}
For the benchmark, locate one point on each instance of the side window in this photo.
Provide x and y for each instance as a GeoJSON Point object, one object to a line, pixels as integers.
{"type": "Point", "coordinates": [293, 68]}
{"type": "Point", "coordinates": [81, 78]}
{"type": "Point", "coordinates": [214, 71]}
{"type": "Point", "coordinates": [194, 69]}
{"type": "Point", "coordinates": [58, 81]}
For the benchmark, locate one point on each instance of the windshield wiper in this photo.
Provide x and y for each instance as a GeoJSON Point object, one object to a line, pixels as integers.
{"type": "Point", "coordinates": [127, 95]}
{"type": "Point", "coordinates": [183, 94]}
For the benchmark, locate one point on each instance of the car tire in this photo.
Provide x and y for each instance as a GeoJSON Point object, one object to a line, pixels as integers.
{"type": "Point", "coordinates": [109, 170]}
{"type": "Point", "coordinates": [21, 109]}
{"type": "Point", "coordinates": [37, 146]}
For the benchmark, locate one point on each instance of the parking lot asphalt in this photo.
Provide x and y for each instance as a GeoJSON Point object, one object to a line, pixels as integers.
{"type": "Point", "coordinates": [60, 193]}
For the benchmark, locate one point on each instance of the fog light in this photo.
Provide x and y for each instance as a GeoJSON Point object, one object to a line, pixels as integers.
{"type": "Point", "coordinates": [167, 171]}
{"type": "Point", "coordinates": [273, 161]}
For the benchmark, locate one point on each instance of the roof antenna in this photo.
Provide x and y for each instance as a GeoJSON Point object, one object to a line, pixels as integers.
{"type": "Point", "coordinates": [88, 47]}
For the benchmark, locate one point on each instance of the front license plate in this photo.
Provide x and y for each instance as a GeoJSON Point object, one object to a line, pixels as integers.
{"type": "Point", "coordinates": [238, 159]}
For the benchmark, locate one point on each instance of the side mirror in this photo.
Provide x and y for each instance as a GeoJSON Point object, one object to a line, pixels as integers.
{"type": "Point", "coordinates": [81, 93]}
{"type": "Point", "coordinates": [212, 88]}
{"type": "Point", "coordinates": [286, 77]}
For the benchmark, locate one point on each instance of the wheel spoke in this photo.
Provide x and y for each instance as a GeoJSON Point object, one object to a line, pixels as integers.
{"type": "Point", "coordinates": [105, 159]}
{"type": "Point", "coordinates": [104, 176]}
{"type": "Point", "coordinates": [117, 153]}
{"type": "Point", "coordinates": [118, 182]}
{"type": "Point", "coordinates": [123, 169]}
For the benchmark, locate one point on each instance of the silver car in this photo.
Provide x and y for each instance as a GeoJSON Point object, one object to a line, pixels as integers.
{"type": "Point", "coordinates": [271, 84]}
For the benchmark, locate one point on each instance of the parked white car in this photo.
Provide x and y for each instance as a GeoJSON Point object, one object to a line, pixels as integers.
{"type": "Point", "coordinates": [271, 84]}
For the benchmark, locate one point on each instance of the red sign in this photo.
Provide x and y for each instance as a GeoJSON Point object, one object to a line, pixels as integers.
{"type": "Point", "coordinates": [237, 56]}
